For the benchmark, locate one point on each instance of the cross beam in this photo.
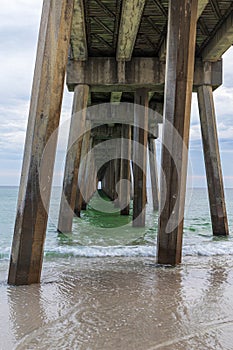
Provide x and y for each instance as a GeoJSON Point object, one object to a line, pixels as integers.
{"type": "Point", "coordinates": [78, 33]}
{"type": "Point", "coordinates": [102, 74]}
{"type": "Point", "coordinates": [221, 41]}
{"type": "Point", "coordinates": [130, 21]}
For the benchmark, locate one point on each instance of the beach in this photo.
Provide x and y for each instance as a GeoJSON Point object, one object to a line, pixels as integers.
{"type": "Point", "coordinates": [122, 303]}
{"type": "Point", "coordinates": [103, 290]}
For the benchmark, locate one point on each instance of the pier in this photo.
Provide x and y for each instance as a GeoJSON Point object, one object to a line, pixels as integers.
{"type": "Point", "coordinates": [131, 65]}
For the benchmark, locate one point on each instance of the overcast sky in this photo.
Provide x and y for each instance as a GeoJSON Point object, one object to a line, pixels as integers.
{"type": "Point", "coordinates": [19, 24]}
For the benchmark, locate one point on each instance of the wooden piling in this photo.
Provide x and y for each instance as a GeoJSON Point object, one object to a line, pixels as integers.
{"type": "Point", "coordinates": [153, 173]}
{"type": "Point", "coordinates": [178, 94]}
{"type": "Point", "coordinates": [212, 161]}
{"type": "Point", "coordinates": [93, 181]}
{"type": "Point", "coordinates": [47, 91]}
{"type": "Point", "coordinates": [111, 179]}
{"type": "Point", "coordinates": [140, 135]}
{"type": "Point", "coordinates": [73, 157]}
{"type": "Point", "coordinates": [89, 183]}
{"type": "Point", "coordinates": [108, 180]}
{"type": "Point", "coordinates": [80, 203]}
{"type": "Point", "coordinates": [117, 178]}
{"type": "Point", "coordinates": [125, 169]}
{"type": "Point", "coordinates": [104, 182]}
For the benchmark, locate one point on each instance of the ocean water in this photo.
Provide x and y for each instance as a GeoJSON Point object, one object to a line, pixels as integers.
{"type": "Point", "coordinates": [101, 288]}
{"type": "Point", "coordinates": [102, 232]}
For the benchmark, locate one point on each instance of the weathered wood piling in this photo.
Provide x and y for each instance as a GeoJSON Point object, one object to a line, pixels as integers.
{"type": "Point", "coordinates": [212, 161]}
{"type": "Point", "coordinates": [44, 115]}
{"type": "Point", "coordinates": [181, 39]}
{"type": "Point", "coordinates": [73, 158]}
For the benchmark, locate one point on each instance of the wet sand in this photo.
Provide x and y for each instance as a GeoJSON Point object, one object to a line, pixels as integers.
{"type": "Point", "coordinates": [121, 303]}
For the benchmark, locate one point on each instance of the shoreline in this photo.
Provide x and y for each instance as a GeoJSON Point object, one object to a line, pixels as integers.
{"type": "Point", "coordinates": [122, 303]}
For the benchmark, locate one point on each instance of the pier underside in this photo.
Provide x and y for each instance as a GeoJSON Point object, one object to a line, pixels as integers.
{"type": "Point", "coordinates": [132, 65]}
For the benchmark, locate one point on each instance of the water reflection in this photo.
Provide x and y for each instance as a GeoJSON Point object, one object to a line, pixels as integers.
{"type": "Point", "coordinates": [124, 304]}
{"type": "Point", "coordinates": [25, 312]}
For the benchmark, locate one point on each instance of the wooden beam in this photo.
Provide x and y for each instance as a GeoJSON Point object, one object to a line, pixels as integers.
{"type": "Point", "coordinates": [160, 7]}
{"type": "Point", "coordinates": [220, 42]}
{"type": "Point", "coordinates": [121, 72]}
{"type": "Point", "coordinates": [116, 97]}
{"type": "Point", "coordinates": [78, 33]}
{"type": "Point", "coordinates": [102, 40]}
{"type": "Point", "coordinates": [101, 24]}
{"type": "Point", "coordinates": [89, 99]}
{"type": "Point", "coordinates": [130, 21]}
{"type": "Point", "coordinates": [216, 9]}
{"type": "Point", "coordinates": [151, 94]}
{"type": "Point", "coordinates": [177, 107]}
{"type": "Point", "coordinates": [119, 114]}
{"type": "Point", "coordinates": [102, 74]}
{"type": "Point", "coordinates": [201, 6]}
{"type": "Point", "coordinates": [212, 161]}
{"type": "Point", "coordinates": [37, 172]}
{"type": "Point", "coordinates": [105, 151]}
{"type": "Point", "coordinates": [204, 28]}
{"type": "Point", "coordinates": [153, 173]}
{"type": "Point", "coordinates": [208, 73]}
{"type": "Point", "coordinates": [153, 25]}
{"type": "Point", "coordinates": [73, 157]}
{"type": "Point", "coordinates": [140, 136]}
{"type": "Point", "coordinates": [108, 12]}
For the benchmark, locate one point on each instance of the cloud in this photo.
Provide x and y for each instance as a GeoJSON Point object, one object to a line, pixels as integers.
{"type": "Point", "coordinates": [19, 27]}
{"type": "Point", "coordinates": [20, 13]}
{"type": "Point", "coordinates": [228, 68]}
{"type": "Point", "coordinates": [223, 101]}
{"type": "Point", "coordinates": [195, 132]}
{"type": "Point", "coordinates": [19, 23]}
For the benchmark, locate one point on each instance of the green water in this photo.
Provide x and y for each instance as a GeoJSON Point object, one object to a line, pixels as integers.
{"type": "Point", "coordinates": [102, 231]}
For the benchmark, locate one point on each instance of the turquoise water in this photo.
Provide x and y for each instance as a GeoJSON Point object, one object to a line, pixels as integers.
{"type": "Point", "coordinates": [102, 232]}
{"type": "Point", "coordinates": [100, 288]}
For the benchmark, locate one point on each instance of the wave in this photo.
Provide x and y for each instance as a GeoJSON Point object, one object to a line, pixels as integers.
{"type": "Point", "coordinates": [65, 251]}
{"type": "Point", "coordinates": [5, 254]}
{"type": "Point", "coordinates": [210, 249]}
{"type": "Point", "coordinates": [95, 252]}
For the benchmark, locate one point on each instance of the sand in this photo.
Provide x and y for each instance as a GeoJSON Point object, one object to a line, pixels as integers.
{"type": "Point", "coordinates": [121, 303]}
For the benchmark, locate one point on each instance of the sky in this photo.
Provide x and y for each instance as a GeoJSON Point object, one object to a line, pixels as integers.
{"type": "Point", "coordinates": [19, 25]}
